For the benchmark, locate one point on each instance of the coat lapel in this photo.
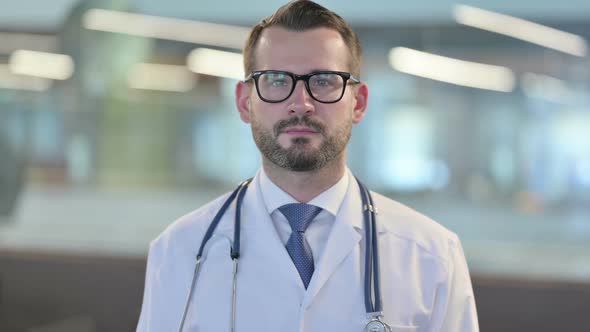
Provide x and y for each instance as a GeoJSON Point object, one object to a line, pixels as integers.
{"type": "Point", "coordinates": [261, 245]}
{"type": "Point", "coordinates": [344, 237]}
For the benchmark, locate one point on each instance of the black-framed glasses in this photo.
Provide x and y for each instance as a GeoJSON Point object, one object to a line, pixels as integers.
{"type": "Point", "coordinates": [275, 86]}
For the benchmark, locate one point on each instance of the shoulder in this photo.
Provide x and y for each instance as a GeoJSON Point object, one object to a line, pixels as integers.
{"type": "Point", "coordinates": [414, 227]}
{"type": "Point", "coordinates": [186, 232]}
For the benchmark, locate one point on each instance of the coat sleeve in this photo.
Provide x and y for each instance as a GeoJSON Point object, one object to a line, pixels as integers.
{"type": "Point", "coordinates": [145, 323]}
{"type": "Point", "coordinates": [455, 309]}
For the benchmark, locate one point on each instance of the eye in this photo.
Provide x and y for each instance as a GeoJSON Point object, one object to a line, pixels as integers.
{"type": "Point", "coordinates": [276, 80]}
{"type": "Point", "coordinates": [322, 82]}
{"type": "Point", "coordinates": [278, 83]}
{"type": "Point", "coordinates": [325, 80]}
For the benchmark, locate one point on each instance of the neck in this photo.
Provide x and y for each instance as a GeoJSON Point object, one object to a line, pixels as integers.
{"type": "Point", "coordinates": [304, 186]}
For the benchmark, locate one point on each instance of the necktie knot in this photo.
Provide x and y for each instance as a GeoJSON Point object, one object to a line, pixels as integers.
{"type": "Point", "coordinates": [299, 215]}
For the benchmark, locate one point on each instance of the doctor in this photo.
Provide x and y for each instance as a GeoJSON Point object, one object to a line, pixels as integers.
{"type": "Point", "coordinates": [302, 266]}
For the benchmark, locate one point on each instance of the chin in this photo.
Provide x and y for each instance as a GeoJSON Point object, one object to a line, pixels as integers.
{"type": "Point", "coordinates": [304, 142]}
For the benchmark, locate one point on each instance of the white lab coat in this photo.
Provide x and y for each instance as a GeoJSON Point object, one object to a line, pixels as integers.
{"type": "Point", "coordinates": [424, 278]}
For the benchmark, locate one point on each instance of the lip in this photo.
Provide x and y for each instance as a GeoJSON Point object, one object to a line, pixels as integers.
{"type": "Point", "coordinates": [299, 131]}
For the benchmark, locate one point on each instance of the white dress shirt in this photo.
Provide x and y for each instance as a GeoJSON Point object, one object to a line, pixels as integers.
{"type": "Point", "coordinates": [318, 231]}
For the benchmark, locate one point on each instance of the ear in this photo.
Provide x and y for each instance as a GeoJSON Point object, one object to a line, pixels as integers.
{"type": "Point", "coordinates": [361, 97]}
{"type": "Point", "coordinates": [243, 100]}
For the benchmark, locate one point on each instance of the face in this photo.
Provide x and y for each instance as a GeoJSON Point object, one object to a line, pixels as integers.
{"type": "Point", "coordinates": [301, 134]}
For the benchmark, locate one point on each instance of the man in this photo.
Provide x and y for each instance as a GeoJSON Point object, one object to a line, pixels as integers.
{"type": "Point", "coordinates": [301, 97]}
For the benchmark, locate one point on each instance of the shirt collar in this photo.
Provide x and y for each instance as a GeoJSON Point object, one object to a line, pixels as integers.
{"type": "Point", "coordinates": [329, 200]}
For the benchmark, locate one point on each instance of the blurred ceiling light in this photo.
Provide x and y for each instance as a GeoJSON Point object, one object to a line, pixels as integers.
{"type": "Point", "coordinates": [521, 29]}
{"type": "Point", "coordinates": [220, 35]}
{"type": "Point", "coordinates": [150, 76]}
{"type": "Point", "coordinates": [41, 64]}
{"type": "Point", "coordinates": [216, 63]}
{"type": "Point", "coordinates": [9, 80]}
{"type": "Point", "coordinates": [546, 87]}
{"type": "Point", "coordinates": [15, 41]}
{"type": "Point", "coordinates": [454, 71]}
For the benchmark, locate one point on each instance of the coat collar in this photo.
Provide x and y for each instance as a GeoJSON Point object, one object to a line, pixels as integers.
{"type": "Point", "coordinates": [330, 200]}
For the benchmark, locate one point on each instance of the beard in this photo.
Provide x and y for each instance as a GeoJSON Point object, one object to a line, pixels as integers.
{"type": "Point", "coordinates": [300, 156]}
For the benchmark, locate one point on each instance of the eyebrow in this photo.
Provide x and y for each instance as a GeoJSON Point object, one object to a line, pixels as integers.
{"type": "Point", "coordinates": [311, 71]}
{"type": "Point", "coordinates": [315, 70]}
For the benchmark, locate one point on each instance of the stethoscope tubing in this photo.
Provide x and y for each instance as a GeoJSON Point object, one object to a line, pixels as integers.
{"type": "Point", "coordinates": [372, 283]}
{"type": "Point", "coordinates": [235, 250]}
{"type": "Point", "coordinates": [239, 191]}
{"type": "Point", "coordinates": [378, 307]}
{"type": "Point", "coordinates": [190, 293]}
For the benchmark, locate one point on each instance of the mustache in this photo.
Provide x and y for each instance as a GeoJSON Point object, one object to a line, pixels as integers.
{"type": "Point", "coordinates": [302, 121]}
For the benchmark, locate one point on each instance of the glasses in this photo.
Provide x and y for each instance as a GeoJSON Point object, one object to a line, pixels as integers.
{"type": "Point", "coordinates": [327, 87]}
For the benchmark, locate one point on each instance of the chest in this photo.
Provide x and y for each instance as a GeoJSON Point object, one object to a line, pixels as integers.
{"type": "Point", "coordinates": [270, 295]}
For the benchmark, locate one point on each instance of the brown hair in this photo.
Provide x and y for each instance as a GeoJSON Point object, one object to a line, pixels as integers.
{"type": "Point", "coordinates": [301, 15]}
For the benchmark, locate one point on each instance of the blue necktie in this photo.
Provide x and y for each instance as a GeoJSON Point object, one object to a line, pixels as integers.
{"type": "Point", "coordinates": [299, 217]}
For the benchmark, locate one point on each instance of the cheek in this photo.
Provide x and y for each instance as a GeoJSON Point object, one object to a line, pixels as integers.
{"type": "Point", "coordinates": [338, 117]}
{"type": "Point", "coordinates": [262, 118]}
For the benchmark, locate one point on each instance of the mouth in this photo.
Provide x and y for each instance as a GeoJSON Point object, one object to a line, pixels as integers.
{"type": "Point", "coordinates": [299, 131]}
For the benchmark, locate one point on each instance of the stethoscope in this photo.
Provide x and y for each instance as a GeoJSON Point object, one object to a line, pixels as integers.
{"type": "Point", "coordinates": [372, 283]}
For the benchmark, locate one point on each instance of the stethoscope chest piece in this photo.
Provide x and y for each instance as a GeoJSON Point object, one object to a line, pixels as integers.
{"type": "Point", "coordinates": [376, 325]}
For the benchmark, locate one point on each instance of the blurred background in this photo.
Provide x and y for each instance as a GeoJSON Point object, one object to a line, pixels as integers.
{"type": "Point", "coordinates": [117, 117]}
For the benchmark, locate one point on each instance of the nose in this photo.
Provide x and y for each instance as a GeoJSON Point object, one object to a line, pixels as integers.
{"type": "Point", "coordinates": [300, 102]}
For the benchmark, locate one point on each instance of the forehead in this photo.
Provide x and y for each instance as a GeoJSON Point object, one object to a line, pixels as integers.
{"type": "Point", "coordinates": [301, 51]}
